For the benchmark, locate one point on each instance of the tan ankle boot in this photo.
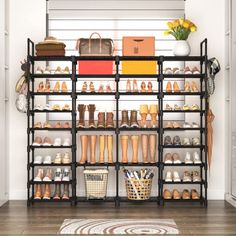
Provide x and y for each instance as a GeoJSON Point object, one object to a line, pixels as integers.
{"type": "Point", "coordinates": [143, 114]}
{"type": "Point", "coordinates": [84, 148]}
{"type": "Point", "coordinates": [144, 141]}
{"type": "Point", "coordinates": [152, 146]}
{"type": "Point", "coordinates": [92, 139]}
{"type": "Point", "coordinates": [101, 148]}
{"type": "Point", "coordinates": [134, 142]}
{"type": "Point", "coordinates": [110, 148]}
{"type": "Point", "coordinates": [124, 147]}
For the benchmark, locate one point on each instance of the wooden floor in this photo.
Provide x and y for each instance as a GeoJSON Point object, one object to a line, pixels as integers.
{"type": "Point", "coordinates": [218, 219]}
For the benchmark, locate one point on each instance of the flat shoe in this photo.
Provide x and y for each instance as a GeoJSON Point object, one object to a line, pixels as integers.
{"type": "Point", "coordinates": [186, 194]}
{"type": "Point", "coordinates": [186, 108]}
{"type": "Point", "coordinates": [176, 194]}
{"type": "Point", "coordinates": [194, 107]}
{"type": "Point", "coordinates": [177, 108]}
{"type": "Point", "coordinates": [167, 194]}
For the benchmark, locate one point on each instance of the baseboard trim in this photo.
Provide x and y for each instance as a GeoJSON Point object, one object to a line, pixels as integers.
{"type": "Point", "coordinates": [231, 200]}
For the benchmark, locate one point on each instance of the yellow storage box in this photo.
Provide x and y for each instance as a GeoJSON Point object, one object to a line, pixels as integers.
{"type": "Point", "coordinates": [139, 67]}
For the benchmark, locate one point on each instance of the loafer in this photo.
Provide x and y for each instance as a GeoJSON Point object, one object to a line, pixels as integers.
{"type": "Point", "coordinates": [167, 140]}
{"type": "Point", "coordinates": [194, 194]}
{"type": "Point", "coordinates": [168, 177]}
{"type": "Point", "coordinates": [186, 194]}
{"type": "Point", "coordinates": [187, 177]}
{"type": "Point", "coordinates": [176, 140]}
{"type": "Point", "coordinates": [196, 158]}
{"type": "Point", "coordinates": [187, 159]}
{"type": "Point", "coordinates": [176, 177]}
{"type": "Point", "coordinates": [176, 158]}
{"type": "Point", "coordinates": [176, 194]}
{"type": "Point", "coordinates": [196, 176]}
{"type": "Point", "coordinates": [168, 158]}
{"type": "Point", "coordinates": [167, 194]}
{"type": "Point", "coordinates": [38, 160]}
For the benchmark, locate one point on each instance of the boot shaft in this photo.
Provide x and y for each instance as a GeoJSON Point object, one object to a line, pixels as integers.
{"type": "Point", "coordinates": [93, 140]}
{"type": "Point", "coordinates": [153, 145]}
{"type": "Point", "coordinates": [124, 147]}
{"type": "Point", "coordinates": [110, 148]}
{"type": "Point", "coordinates": [134, 142]}
{"type": "Point", "coordinates": [101, 148]}
{"type": "Point", "coordinates": [144, 144]}
{"type": "Point", "coordinates": [91, 110]}
{"type": "Point", "coordinates": [81, 110]}
{"type": "Point", "coordinates": [133, 119]}
{"type": "Point", "coordinates": [124, 118]}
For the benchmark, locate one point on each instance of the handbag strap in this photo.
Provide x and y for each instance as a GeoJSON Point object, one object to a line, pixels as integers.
{"type": "Point", "coordinates": [100, 46]}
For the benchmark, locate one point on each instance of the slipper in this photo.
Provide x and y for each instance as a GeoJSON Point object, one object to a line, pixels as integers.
{"type": "Point", "coordinates": [177, 108]}
{"type": "Point", "coordinates": [176, 125]}
{"type": "Point", "coordinates": [56, 107]}
{"type": "Point", "coordinates": [168, 107]}
{"type": "Point", "coordinates": [186, 108]}
{"type": "Point", "coordinates": [38, 125]}
{"type": "Point", "coordinates": [38, 107]}
{"type": "Point", "coordinates": [47, 125]}
{"type": "Point", "coordinates": [66, 125]}
{"type": "Point", "coordinates": [194, 107]}
{"type": "Point", "coordinates": [37, 141]}
{"type": "Point", "coordinates": [47, 141]}
{"type": "Point", "coordinates": [57, 125]}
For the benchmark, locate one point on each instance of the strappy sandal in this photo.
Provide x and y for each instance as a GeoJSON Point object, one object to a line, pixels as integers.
{"type": "Point", "coordinates": [58, 70]}
{"type": "Point", "coordinates": [143, 87]}
{"type": "Point", "coordinates": [128, 86]}
{"type": "Point", "coordinates": [66, 107]}
{"type": "Point", "coordinates": [186, 108]}
{"type": "Point", "coordinates": [108, 88]}
{"type": "Point", "coordinates": [56, 87]}
{"type": "Point", "coordinates": [66, 70]}
{"type": "Point", "coordinates": [177, 108]}
{"type": "Point", "coordinates": [47, 87]}
{"type": "Point", "coordinates": [101, 88]}
{"type": "Point", "coordinates": [135, 86]}
{"type": "Point", "coordinates": [194, 107]}
{"type": "Point", "coordinates": [168, 107]}
{"type": "Point", "coordinates": [194, 87]}
{"type": "Point", "coordinates": [57, 125]}
{"type": "Point", "coordinates": [84, 87]}
{"type": "Point", "coordinates": [40, 87]}
{"type": "Point", "coordinates": [187, 87]}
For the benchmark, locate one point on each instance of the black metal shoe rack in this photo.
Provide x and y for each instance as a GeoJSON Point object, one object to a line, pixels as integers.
{"type": "Point", "coordinates": [161, 94]}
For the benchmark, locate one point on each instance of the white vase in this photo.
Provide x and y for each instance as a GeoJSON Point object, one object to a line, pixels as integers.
{"type": "Point", "coordinates": [181, 48]}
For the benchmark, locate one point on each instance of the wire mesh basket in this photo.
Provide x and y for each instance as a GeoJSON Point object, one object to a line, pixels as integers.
{"type": "Point", "coordinates": [138, 189]}
{"type": "Point", "coordinates": [96, 183]}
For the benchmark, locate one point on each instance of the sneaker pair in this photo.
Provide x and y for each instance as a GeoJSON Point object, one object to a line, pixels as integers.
{"type": "Point", "coordinates": [195, 141]}
{"type": "Point", "coordinates": [167, 194]}
{"type": "Point", "coordinates": [168, 141]}
{"type": "Point", "coordinates": [196, 158]}
{"type": "Point", "coordinates": [172, 158]}
{"type": "Point", "coordinates": [172, 177]}
{"type": "Point", "coordinates": [62, 175]}
{"type": "Point", "coordinates": [58, 142]}
{"type": "Point", "coordinates": [65, 159]}
{"type": "Point", "coordinates": [191, 177]}
{"type": "Point", "coordinates": [40, 160]}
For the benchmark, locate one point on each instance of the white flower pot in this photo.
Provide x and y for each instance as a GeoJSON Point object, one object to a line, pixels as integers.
{"type": "Point", "coordinates": [181, 48]}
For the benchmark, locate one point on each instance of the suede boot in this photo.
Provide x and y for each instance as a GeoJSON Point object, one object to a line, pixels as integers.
{"type": "Point", "coordinates": [101, 148]}
{"type": "Point", "coordinates": [81, 110]}
{"type": "Point", "coordinates": [91, 109]}
{"type": "Point", "coordinates": [84, 148]}
{"type": "Point", "coordinates": [133, 119]}
{"type": "Point", "coordinates": [124, 147]}
{"type": "Point", "coordinates": [109, 120]}
{"type": "Point", "coordinates": [101, 120]}
{"type": "Point", "coordinates": [124, 119]}
{"type": "Point", "coordinates": [144, 141]}
{"type": "Point", "coordinates": [92, 139]}
{"type": "Point", "coordinates": [110, 148]}
{"type": "Point", "coordinates": [134, 142]}
{"type": "Point", "coordinates": [152, 146]}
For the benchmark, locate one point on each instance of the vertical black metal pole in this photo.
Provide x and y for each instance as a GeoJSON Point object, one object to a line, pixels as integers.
{"type": "Point", "coordinates": [117, 96]}
{"type": "Point", "coordinates": [201, 119]}
{"type": "Point", "coordinates": [73, 131]}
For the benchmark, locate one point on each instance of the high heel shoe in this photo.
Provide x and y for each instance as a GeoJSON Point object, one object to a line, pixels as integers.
{"type": "Point", "coordinates": [47, 87]}
{"type": "Point", "coordinates": [187, 87]}
{"type": "Point", "coordinates": [143, 87]}
{"type": "Point", "coordinates": [84, 87]}
{"type": "Point", "coordinates": [169, 87]}
{"type": "Point", "coordinates": [176, 87]}
{"type": "Point", "coordinates": [108, 88]}
{"type": "Point", "coordinates": [40, 87]}
{"type": "Point", "coordinates": [135, 86]}
{"type": "Point", "coordinates": [56, 88]}
{"type": "Point", "coordinates": [194, 87]}
{"type": "Point", "coordinates": [64, 87]}
{"type": "Point", "coordinates": [91, 87]}
{"type": "Point", "coordinates": [101, 88]}
{"type": "Point", "coordinates": [149, 87]}
{"type": "Point", "coordinates": [128, 86]}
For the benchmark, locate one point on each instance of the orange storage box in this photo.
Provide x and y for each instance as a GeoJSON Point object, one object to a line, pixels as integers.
{"type": "Point", "coordinates": [139, 67]}
{"type": "Point", "coordinates": [95, 67]}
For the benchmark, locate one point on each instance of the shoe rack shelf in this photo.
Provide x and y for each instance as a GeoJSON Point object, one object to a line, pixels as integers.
{"type": "Point", "coordinates": [160, 95]}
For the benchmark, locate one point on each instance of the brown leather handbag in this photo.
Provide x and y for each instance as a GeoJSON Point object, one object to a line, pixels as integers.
{"type": "Point", "coordinates": [95, 46]}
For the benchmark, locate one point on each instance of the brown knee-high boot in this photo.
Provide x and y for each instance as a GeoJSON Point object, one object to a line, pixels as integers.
{"type": "Point", "coordinates": [92, 139]}
{"type": "Point", "coordinates": [84, 148]}
{"type": "Point", "coordinates": [152, 146]}
{"type": "Point", "coordinates": [144, 141]}
{"type": "Point", "coordinates": [134, 141]}
{"type": "Point", "coordinates": [101, 148]}
{"type": "Point", "coordinates": [124, 147]}
{"type": "Point", "coordinates": [110, 148]}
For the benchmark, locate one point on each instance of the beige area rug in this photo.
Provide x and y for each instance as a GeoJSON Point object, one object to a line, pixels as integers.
{"type": "Point", "coordinates": [118, 226]}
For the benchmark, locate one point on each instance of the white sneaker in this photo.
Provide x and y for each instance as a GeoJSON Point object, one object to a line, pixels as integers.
{"type": "Point", "coordinates": [66, 142]}
{"type": "Point", "coordinates": [176, 177]}
{"type": "Point", "coordinates": [168, 176]}
{"type": "Point", "coordinates": [196, 158]}
{"type": "Point", "coordinates": [188, 158]}
{"type": "Point", "coordinates": [47, 160]}
{"type": "Point", "coordinates": [58, 175]}
{"type": "Point", "coordinates": [186, 125]}
{"type": "Point", "coordinates": [66, 175]}
{"type": "Point", "coordinates": [38, 160]}
{"type": "Point", "coordinates": [66, 158]}
{"type": "Point", "coordinates": [58, 158]}
{"type": "Point", "coordinates": [57, 142]}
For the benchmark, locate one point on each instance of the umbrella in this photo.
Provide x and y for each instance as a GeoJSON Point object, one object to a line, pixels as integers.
{"type": "Point", "coordinates": [210, 118]}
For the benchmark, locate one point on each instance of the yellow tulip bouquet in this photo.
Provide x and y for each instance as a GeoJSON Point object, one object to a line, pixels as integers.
{"type": "Point", "coordinates": [180, 28]}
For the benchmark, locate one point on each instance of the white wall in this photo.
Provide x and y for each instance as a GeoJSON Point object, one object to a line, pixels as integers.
{"type": "Point", "coordinates": [27, 19]}
{"type": "Point", "coordinates": [209, 16]}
